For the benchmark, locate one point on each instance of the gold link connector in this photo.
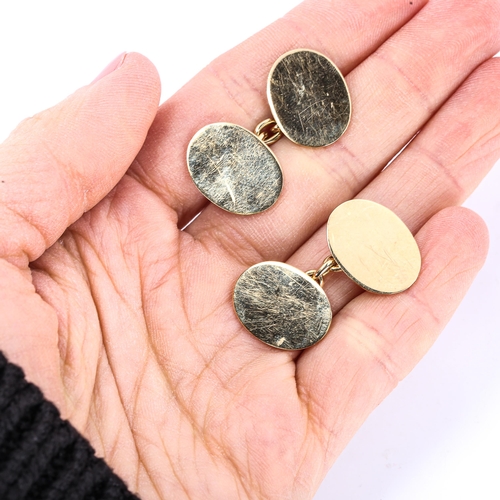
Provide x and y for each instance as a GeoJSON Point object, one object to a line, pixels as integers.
{"type": "Point", "coordinates": [268, 132]}
{"type": "Point", "coordinates": [329, 265]}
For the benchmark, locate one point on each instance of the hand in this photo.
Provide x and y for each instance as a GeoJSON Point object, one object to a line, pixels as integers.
{"type": "Point", "coordinates": [126, 322]}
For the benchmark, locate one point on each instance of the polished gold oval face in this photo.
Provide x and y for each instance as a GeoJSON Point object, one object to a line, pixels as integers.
{"type": "Point", "coordinates": [234, 169]}
{"type": "Point", "coordinates": [282, 306]}
{"type": "Point", "coordinates": [373, 246]}
{"type": "Point", "coordinates": [308, 97]}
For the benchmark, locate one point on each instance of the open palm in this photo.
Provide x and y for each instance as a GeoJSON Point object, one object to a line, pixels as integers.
{"type": "Point", "coordinates": [126, 321]}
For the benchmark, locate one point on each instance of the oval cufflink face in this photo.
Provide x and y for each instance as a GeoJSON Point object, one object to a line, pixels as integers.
{"type": "Point", "coordinates": [282, 306]}
{"type": "Point", "coordinates": [234, 169]}
{"type": "Point", "coordinates": [373, 246]}
{"type": "Point", "coordinates": [309, 98]}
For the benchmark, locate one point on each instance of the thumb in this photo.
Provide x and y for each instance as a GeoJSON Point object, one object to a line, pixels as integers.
{"type": "Point", "coordinates": [61, 162]}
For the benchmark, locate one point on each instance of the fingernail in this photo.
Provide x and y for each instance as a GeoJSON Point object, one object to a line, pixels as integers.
{"type": "Point", "coordinates": [112, 66]}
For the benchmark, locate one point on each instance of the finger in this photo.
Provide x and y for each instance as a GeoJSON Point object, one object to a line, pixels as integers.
{"type": "Point", "coordinates": [233, 87]}
{"type": "Point", "coordinates": [376, 340]}
{"type": "Point", "coordinates": [440, 168]}
{"type": "Point", "coordinates": [394, 93]}
{"type": "Point", "coordinates": [60, 163]}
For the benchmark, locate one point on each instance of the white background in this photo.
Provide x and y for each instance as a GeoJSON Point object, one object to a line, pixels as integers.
{"type": "Point", "coordinates": [437, 436]}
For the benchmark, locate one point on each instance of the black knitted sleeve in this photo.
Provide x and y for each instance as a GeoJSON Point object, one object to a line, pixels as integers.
{"type": "Point", "coordinates": [43, 456]}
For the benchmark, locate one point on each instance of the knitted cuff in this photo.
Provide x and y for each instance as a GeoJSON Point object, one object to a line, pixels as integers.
{"type": "Point", "coordinates": [43, 456]}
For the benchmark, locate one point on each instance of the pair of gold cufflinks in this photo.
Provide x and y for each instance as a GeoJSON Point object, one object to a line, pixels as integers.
{"type": "Point", "coordinates": [237, 171]}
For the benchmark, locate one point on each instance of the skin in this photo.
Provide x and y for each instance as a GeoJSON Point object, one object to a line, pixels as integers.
{"type": "Point", "coordinates": [126, 322]}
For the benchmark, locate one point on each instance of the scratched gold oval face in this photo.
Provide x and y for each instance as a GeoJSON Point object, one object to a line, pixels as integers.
{"type": "Point", "coordinates": [282, 306]}
{"type": "Point", "coordinates": [308, 97]}
{"type": "Point", "coordinates": [234, 169]}
{"type": "Point", "coordinates": [373, 246]}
